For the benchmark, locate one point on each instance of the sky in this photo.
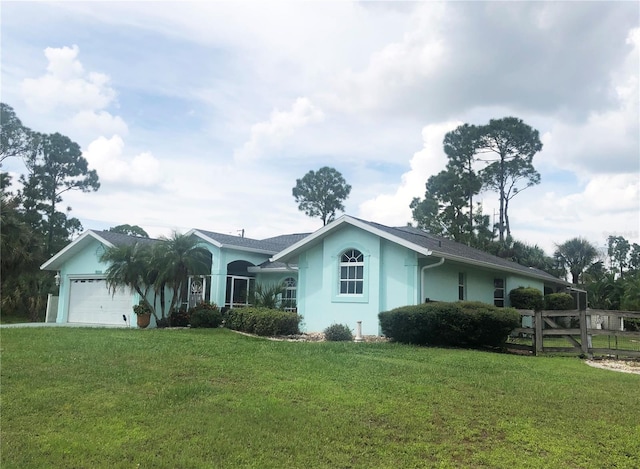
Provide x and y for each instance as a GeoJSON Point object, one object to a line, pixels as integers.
{"type": "Point", "coordinates": [204, 114]}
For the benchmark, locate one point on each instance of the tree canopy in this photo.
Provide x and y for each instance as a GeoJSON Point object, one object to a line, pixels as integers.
{"type": "Point", "coordinates": [576, 255]}
{"type": "Point", "coordinates": [506, 148]}
{"type": "Point", "coordinates": [511, 145]}
{"type": "Point", "coordinates": [130, 230]}
{"type": "Point", "coordinates": [321, 193]}
{"type": "Point", "coordinates": [32, 226]}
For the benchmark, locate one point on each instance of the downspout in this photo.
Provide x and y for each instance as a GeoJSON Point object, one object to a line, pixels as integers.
{"type": "Point", "coordinates": [430, 266]}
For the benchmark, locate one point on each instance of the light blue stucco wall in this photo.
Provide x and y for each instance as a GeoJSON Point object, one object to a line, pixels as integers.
{"type": "Point", "coordinates": [84, 264]}
{"type": "Point", "coordinates": [441, 282]}
{"type": "Point", "coordinates": [390, 280]}
{"type": "Point", "coordinates": [220, 259]}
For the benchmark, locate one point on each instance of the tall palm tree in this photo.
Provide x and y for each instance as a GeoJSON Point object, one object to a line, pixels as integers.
{"type": "Point", "coordinates": [576, 254]}
{"type": "Point", "coordinates": [175, 258]}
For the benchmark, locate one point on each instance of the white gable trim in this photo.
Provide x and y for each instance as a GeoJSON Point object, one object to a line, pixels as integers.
{"type": "Point", "coordinates": [48, 265]}
{"type": "Point", "coordinates": [346, 219]}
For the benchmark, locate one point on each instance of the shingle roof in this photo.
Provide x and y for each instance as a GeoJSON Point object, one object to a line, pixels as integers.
{"type": "Point", "coordinates": [119, 239]}
{"type": "Point", "coordinates": [284, 241]}
{"type": "Point", "coordinates": [269, 245]}
{"type": "Point", "coordinates": [447, 248]}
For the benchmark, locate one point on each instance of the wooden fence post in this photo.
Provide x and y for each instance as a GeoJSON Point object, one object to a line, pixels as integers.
{"type": "Point", "coordinates": [584, 338]}
{"type": "Point", "coordinates": [538, 332]}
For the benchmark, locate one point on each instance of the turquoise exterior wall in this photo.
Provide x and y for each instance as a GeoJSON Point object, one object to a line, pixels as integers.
{"type": "Point", "coordinates": [390, 280]}
{"type": "Point", "coordinates": [441, 282]}
{"type": "Point", "coordinates": [220, 260]}
{"type": "Point", "coordinates": [84, 264]}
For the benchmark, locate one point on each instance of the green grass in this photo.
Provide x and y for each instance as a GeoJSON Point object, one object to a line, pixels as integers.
{"type": "Point", "coordinates": [91, 398]}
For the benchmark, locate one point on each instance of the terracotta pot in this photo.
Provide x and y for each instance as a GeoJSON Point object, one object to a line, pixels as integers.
{"type": "Point", "coordinates": [143, 320]}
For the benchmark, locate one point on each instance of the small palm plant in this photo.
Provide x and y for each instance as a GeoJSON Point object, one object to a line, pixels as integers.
{"type": "Point", "coordinates": [268, 295]}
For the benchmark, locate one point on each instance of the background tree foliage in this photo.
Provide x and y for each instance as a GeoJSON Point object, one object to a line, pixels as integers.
{"type": "Point", "coordinates": [31, 225]}
{"type": "Point", "coordinates": [130, 230]}
{"type": "Point", "coordinates": [496, 156]}
{"type": "Point", "coordinates": [321, 193]}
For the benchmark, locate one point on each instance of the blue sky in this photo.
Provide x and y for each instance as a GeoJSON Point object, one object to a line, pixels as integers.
{"type": "Point", "coordinates": [203, 114]}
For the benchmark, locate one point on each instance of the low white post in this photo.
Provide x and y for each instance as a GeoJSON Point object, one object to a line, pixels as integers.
{"type": "Point", "coordinates": [359, 332]}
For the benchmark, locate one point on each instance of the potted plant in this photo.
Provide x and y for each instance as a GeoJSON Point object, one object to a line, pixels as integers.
{"type": "Point", "coordinates": [143, 312]}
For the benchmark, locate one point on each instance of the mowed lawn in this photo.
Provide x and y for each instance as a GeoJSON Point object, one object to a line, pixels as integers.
{"type": "Point", "coordinates": [92, 398]}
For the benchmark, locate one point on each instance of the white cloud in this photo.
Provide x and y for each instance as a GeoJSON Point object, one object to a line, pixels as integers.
{"type": "Point", "coordinates": [393, 209]}
{"type": "Point", "coordinates": [67, 85]}
{"type": "Point", "coordinates": [106, 157]}
{"type": "Point", "coordinates": [609, 141]}
{"type": "Point", "coordinates": [74, 94]}
{"type": "Point", "coordinates": [281, 125]}
{"type": "Point", "coordinates": [101, 122]}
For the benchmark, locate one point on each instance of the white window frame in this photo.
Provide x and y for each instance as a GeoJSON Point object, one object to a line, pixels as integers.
{"type": "Point", "coordinates": [351, 273]}
{"type": "Point", "coordinates": [289, 296]}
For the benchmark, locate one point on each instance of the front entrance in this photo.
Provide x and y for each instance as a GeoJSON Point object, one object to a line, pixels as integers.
{"type": "Point", "coordinates": [240, 284]}
{"type": "Point", "coordinates": [199, 290]}
{"type": "Point", "coordinates": [239, 291]}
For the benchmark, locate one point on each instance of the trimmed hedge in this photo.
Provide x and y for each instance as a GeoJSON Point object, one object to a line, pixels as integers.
{"type": "Point", "coordinates": [526, 298]}
{"type": "Point", "coordinates": [263, 321]}
{"type": "Point", "coordinates": [205, 315]}
{"type": "Point", "coordinates": [460, 324]}
{"type": "Point", "coordinates": [559, 302]}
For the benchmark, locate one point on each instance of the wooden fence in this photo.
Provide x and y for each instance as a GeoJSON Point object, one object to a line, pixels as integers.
{"type": "Point", "coordinates": [587, 332]}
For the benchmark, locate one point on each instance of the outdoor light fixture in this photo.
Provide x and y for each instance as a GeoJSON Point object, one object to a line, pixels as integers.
{"type": "Point", "coordinates": [57, 277]}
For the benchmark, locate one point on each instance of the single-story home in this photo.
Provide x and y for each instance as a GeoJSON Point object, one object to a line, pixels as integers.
{"type": "Point", "coordinates": [347, 271]}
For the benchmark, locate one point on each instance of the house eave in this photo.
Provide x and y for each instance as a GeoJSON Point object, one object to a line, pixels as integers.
{"type": "Point", "coordinates": [489, 265]}
{"type": "Point", "coordinates": [55, 263]}
{"type": "Point", "coordinates": [295, 248]}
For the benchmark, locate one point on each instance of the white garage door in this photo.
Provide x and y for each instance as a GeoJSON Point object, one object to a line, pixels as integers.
{"type": "Point", "coordinates": [90, 302]}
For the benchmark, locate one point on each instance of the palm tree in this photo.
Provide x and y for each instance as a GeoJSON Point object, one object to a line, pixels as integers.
{"type": "Point", "coordinates": [175, 258]}
{"type": "Point", "coordinates": [576, 254]}
{"type": "Point", "coordinates": [129, 266]}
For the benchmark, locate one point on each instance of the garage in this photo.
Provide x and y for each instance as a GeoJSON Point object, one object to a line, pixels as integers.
{"type": "Point", "coordinates": [90, 302]}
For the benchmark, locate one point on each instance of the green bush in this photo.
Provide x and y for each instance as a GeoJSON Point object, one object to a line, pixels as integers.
{"type": "Point", "coordinates": [205, 315]}
{"type": "Point", "coordinates": [526, 298]}
{"type": "Point", "coordinates": [263, 321]}
{"type": "Point", "coordinates": [459, 324]}
{"type": "Point", "coordinates": [559, 302]}
{"type": "Point", "coordinates": [179, 318]}
{"type": "Point", "coordinates": [338, 333]}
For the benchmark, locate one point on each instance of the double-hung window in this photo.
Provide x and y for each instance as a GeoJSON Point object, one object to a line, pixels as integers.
{"type": "Point", "coordinates": [351, 272]}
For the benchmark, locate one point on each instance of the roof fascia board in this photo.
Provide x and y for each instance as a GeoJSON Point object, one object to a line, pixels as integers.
{"type": "Point", "coordinates": [258, 269]}
{"type": "Point", "coordinates": [204, 237]}
{"type": "Point", "coordinates": [465, 260]}
{"type": "Point", "coordinates": [353, 222]}
{"type": "Point", "coordinates": [72, 245]}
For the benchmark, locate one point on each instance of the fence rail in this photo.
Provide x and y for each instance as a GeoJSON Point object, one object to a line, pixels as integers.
{"type": "Point", "coordinates": [574, 329]}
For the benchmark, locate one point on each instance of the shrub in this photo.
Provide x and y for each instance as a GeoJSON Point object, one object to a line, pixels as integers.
{"type": "Point", "coordinates": [338, 333]}
{"type": "Point", "coordinates": [205, 315]}
{"type": "Point", "coordinates": [460, 324]}
{"type": "Point", "coordinates": [263, 321]}
{"type": "Point", "coordinates": [559, 302]}
{"type": "Point", "coordinates": [179, 318]}
{"type": "Point", "coordinates": [526, 298]}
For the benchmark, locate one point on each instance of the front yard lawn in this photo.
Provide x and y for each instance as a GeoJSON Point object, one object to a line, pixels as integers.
{"type": "Point", "coordinates": [91, 398]}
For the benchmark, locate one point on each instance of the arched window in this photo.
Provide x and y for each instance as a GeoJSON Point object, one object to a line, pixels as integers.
{"type": "Point", "coordinates": [351, 272]}
{"type": "Point", "coordinates": [289, 294]}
